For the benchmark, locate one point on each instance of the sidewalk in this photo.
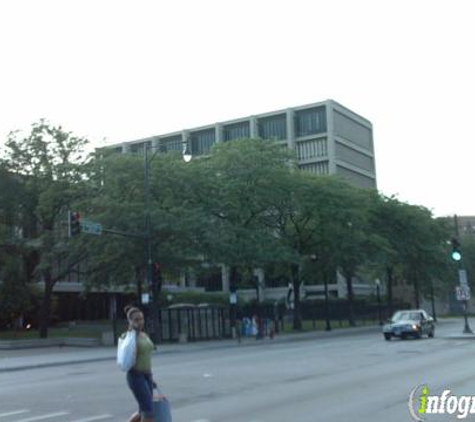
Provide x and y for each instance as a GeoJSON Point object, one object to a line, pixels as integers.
{"type": "Point", "coordinates": [23, 359]}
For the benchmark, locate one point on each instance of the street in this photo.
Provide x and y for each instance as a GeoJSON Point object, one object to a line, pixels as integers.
{"type": "Point", "coordinates": [350, 378]}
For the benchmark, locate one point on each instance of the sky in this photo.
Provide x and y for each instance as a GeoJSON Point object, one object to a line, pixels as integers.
{"type": "Point", "coordinates": [115, 71]}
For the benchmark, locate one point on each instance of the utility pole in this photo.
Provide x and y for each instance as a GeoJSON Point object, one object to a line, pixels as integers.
{"type": "Point", "coordinates": [457, 256]}
{"type": "Point", "coordinates": [154, 311]}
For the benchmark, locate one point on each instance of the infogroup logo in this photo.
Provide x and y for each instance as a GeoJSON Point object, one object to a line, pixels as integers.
{"type": "Point", "coordinates": [421, 404]}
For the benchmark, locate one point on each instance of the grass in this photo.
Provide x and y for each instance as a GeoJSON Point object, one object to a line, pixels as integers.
{"type": "Point", "coordinates": [80, 332]}
{"type": "Point", "coordinates": [320, 325]}
{"type": "Point", "coordinates": [96, 330]}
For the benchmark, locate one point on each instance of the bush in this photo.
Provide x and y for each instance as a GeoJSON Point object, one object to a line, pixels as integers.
{"type": "Point", "coordinates": [338, 308]}
{"type": "Point", "coordinates": [194, 298]}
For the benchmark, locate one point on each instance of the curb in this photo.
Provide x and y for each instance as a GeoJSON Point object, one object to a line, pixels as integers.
{"type": "Point", "coordinates": [460, 337]}
{"type": "Point", "coordinates": [55, 342]}
{"type": "Point", "coordinates": [53, 364]}
{"type": "Point", "coordinates": [251, 342]}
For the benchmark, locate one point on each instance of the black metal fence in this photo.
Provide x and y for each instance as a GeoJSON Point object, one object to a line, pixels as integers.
{"type": "Point", "coordinates": [364, 312]}
{"type": "Point", "coordinates": [189, 324]}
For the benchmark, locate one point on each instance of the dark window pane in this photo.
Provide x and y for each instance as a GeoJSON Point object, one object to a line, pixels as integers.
{"type": "Point", "coordinates": [310, 122]}
{"type": "Point", "coordinates": [172, 143]}
{"type": "Point", "coordinates": [236, 131]}
{"type": "Point", "coordinates": [202, 141]}
{"type": "Point", "coordinates": [139, 147]}
{"type": "Point", "coordinates": [274, 127]}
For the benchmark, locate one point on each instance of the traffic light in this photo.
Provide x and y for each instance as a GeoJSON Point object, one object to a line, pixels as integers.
{"type": "Point", "coordinates": [74, 223]}
{"type": "Point", "coordinates": [456, 254]}
{"type": "Point", "coordinates": [156, 273]}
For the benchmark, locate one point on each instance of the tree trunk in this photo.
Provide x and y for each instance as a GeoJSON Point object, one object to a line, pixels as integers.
{"type": "Point", "coordinates": [45, 311]}
{"type": "Point", "coordinates": [295, 270]}
{"type": "Point", "coordinates": [233, 274]}
{"type": "Point", "coordinates": [390, 279]}
{"type": "Point", "coordinates": [416, 292]}
{"type": "Point", "coordinates": [351, 296]}
{"type": "Point", "coordinates": [138, 280]}
{"type": "Point", "coordinates": [327, 301]}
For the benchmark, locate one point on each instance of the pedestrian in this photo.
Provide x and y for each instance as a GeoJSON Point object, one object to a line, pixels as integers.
{"type": "Point", "coordinates": [140, 378]}
{"type": "Point", "coordinates": [255, 327]}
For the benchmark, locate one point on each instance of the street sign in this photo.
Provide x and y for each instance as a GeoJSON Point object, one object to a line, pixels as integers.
{"type": "Point", "coordinates": [232, 298]}
{"type": "Point", "coordinates": [463, 278]}
{"type": "Point", "coordinates": [145, 298]}
{"type": "Point", "coordinates": [91, 228]}
{"type": "Point", "coordinates": [462, 293]}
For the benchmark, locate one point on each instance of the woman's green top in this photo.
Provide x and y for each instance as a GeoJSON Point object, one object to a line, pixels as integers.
{"type": "Point", "coordinates": [143, 362]}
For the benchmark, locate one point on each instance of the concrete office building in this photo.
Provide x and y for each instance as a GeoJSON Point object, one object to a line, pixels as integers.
{"type": "Point", "coordinates": [327, 137]}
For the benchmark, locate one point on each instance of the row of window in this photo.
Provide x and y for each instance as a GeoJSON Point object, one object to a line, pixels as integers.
{"type": "Point", "coordinates": [312, 148]}
{"type": "Point", "coordinates": [321, 168]}
{"type": "Point", "coordinates": [307, 122]}
{"type": "Point", "coordinates": [139, 147]}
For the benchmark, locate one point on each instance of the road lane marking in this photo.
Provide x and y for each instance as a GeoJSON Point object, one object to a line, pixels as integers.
{"type": "Point", "coordinates": [42, 417]}
{"type": "Point", "coordinates": [16, 412]}
{"type": "Point", "coordinates": [94, 418]}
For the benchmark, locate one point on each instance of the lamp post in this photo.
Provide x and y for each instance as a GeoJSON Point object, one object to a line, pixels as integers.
{"type": "Point", "coordinates": [457, 257]}
{"type": "Point", "coordinates": [432, 300]}
{"type": "Point", "coordinates": [152, 282]}
{"type": "Point", "coordinates": [378, 295]}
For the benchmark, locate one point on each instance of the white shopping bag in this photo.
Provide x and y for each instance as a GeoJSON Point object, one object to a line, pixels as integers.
{"type": "Point", "coordinates": [127, 350]}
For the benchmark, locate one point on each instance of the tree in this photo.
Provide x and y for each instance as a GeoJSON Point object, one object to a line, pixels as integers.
{"type": "Point", "coordinates": [49, 163]}
{"type": "Point", "coordinates": [234, 189]}
{"type": "Point", "coordinates": [310, 221]}
{"type": "Point", "coordinates": [468, 257]}
{"type": "Point", "coordinates": [116, 200]}
{"type": "Point", "coordinates": [293, 220]}
{"type": "Point", "coordinates": [349, 241]}
{"type": "Point", "coordinates": [416, 244]}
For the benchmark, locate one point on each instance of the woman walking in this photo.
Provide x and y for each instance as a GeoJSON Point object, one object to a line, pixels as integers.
{"type": "Point", "coordinates": [139, 378]}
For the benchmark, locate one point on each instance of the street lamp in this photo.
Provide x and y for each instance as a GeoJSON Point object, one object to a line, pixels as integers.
{"type": "Point", "coordinates": [153, 283]}
{"type": "Point", "coordinates": [378, 295]}
{"type": "Point", "coordinates": [186, 152]}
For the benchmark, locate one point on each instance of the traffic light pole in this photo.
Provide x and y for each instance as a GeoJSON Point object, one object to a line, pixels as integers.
{"type": "Point", "coordinates": [466, 329]}
{"type": "Point", "coordinates": [327, 304]}
{"type": "Point", "coordinates": [147, 237]}
{"type": "Point", "coordinates": [148, 246]}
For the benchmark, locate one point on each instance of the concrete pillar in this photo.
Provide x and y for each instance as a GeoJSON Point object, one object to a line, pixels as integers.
{"type": "Point", "coordinates": [155, 144]}
{"type": "Point", "coordinates": [259, 273]}
{"type": "Point", "coordinates": [290, 114]}
{"type": "Point", "coordinates": [191, 279]}
{"type": "Point", "coordinates": [225, 278]}
{"type": "Point", "coordinates": [253, 128]}
{"type": "Point", "coordinates": [219, 133]}
{"type": "Point", "coordinates": [183, 279]}
{"type": "Point", "coordinates": [330, 138]}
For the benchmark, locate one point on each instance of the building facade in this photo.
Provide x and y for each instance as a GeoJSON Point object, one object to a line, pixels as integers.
{"type": "Point", "coordinates": [327, 137]}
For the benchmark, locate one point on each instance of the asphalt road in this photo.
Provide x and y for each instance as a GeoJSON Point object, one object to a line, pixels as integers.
{"type": "Point", "coordinates": [352, 378]}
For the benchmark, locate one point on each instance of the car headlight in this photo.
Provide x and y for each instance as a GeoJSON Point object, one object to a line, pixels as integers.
{"type": "Point", "coordinates": [415, 327]}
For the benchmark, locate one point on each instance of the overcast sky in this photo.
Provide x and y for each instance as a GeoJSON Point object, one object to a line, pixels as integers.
{"type": "Point", "coordinates": [115, 71]}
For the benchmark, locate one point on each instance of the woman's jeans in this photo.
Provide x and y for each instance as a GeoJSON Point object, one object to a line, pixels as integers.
{"type": "Point", "coordinates": [141, 385]}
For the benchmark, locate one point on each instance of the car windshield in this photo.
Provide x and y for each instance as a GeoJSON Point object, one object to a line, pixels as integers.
{"type": "Point", "coordinates": [400, 316]}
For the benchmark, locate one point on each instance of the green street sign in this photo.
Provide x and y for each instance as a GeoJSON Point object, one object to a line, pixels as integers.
{"type": "Point", "coordinates": [91, 228]}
